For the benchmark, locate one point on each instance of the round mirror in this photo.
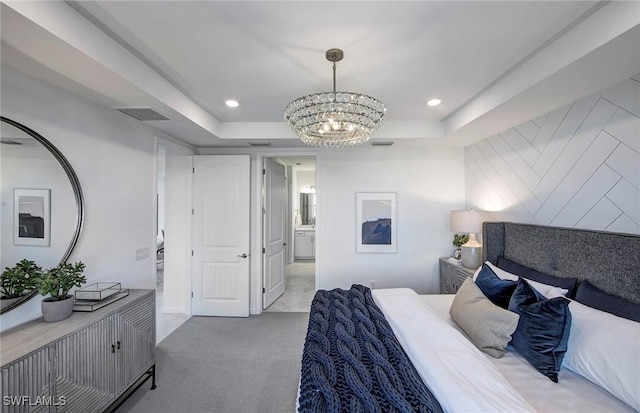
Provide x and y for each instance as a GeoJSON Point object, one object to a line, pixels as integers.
{"type": "Point", "coordinates": [41, 202]}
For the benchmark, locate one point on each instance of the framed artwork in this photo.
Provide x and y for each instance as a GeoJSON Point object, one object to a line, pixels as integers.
{"type": "Point", "coordinates": [377, 226]}
{"type": "Point", "coordinates": [32, 217]}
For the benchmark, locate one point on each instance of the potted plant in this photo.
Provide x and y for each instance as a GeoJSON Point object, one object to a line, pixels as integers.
{"type": "Point", "coordinates": [17, 281]}
{"type": "Point", "coordinates": [458, 240]}
{"type": "Point", "coordinates": [57, 282]}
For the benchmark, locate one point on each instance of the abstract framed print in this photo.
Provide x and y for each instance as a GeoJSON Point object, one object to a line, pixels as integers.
{"type": "Point", "coordinates": [32, 217]}
{"type": "Point", "coordinates": [377, 225]}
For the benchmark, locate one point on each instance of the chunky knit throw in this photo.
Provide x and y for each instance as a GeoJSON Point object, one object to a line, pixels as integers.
{"type": "Point", "coordinates": [352, 361]}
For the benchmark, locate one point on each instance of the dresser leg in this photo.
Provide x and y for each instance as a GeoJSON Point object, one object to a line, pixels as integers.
{"type": "Point", "coordinates": [153, 378]}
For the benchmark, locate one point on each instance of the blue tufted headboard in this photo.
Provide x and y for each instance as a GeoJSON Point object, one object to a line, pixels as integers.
{"type": "Point", "coordinates": [610, 261]}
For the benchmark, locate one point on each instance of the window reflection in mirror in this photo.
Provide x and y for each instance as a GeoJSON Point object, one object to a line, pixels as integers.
{"type": "Point", "coordinates": [308, 208]}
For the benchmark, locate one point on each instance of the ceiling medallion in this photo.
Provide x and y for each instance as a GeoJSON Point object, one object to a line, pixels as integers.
{"type": "Point", "coordinates": [334, 119]}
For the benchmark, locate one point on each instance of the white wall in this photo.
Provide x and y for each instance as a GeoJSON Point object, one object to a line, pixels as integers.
{"type": "Point", "coordinates": [113, 156]}
{"type": "Point", "coordinates": [577, 166]}
{"type": "Point", "coordinates": [429, 182]}
{"type": "Point", "coordinates": [304, 180]}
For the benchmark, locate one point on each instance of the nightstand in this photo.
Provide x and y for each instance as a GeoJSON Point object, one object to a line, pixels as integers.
{"type": "Point", "coordinates": [452, 276]}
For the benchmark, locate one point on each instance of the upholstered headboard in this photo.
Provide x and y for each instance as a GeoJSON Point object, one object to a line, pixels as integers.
{"type": "Point", "coordinates": [610, 261]}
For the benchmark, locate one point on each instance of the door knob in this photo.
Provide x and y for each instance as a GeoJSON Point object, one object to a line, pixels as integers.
{"type": "Point", "coordinates": [284, 244]}
{"type": "Point", "coordinates": [242, 256]}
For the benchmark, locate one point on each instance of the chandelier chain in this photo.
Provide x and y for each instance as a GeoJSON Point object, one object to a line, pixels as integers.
{"type": "Point", "coordinates": [334, 79]}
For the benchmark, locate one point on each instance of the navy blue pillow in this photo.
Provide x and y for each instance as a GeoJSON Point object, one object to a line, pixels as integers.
{"type": "Point", "coordinates": [497, 290]}
{"type": "Point", "coordinates": [591, 296]}
{"type": "Point", "coordinates": [543, 329]}
{"type": "Point", "coordinates": [570, 284]}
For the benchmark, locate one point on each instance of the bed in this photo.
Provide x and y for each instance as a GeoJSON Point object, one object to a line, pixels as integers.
{"type": "Point", "coordinates": [568, 339]}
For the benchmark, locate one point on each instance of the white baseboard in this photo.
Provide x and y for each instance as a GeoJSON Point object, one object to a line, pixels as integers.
{"type": "Point", "coordinates": [173, 310]}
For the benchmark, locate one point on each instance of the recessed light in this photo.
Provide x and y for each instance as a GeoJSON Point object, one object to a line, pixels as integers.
{"type": "Point", "coordinates": [232, 103]}
{"type": "Point", "coordinates": [434, 101]}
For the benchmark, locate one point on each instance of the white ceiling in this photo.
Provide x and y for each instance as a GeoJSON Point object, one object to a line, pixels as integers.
{"type": "Point", "coordinates": [495, 64]}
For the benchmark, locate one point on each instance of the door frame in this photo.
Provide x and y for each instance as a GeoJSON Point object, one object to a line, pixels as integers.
{"type": "Point", "coordinates": [255, 299]}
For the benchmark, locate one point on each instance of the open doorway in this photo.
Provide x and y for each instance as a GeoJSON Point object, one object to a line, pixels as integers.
{"type": "Point", "coordinates": [161, 164]}
{"type": "Point", "coordinates": [300, 228]}
{"type": "Point", "coordinates": [173, 169]}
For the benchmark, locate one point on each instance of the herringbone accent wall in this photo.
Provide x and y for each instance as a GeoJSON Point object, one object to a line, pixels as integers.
{"type": "Point", "coordinates": [577, 166]}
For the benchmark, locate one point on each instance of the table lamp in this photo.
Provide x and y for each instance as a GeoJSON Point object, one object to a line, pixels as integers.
{"type": "Point", "coordinates": [469, 222]}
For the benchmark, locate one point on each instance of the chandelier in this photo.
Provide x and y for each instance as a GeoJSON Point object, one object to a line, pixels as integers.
{"type": "Point", "coordinates": [334, 119]}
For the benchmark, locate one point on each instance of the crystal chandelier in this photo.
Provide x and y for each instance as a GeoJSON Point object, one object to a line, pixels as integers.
{"type": "Point", "coordinates": [334, 119]}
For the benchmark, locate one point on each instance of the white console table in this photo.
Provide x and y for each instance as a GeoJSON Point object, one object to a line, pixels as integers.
{"type": "Point", "coordinates": [89, 362]}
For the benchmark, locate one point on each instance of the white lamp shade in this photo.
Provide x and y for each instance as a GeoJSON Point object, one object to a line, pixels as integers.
{"type": "Point", "coordinates": [467, 222]}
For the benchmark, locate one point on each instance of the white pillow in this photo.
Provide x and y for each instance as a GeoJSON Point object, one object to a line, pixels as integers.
{"type": "Point", "coordinates": [548, 291]}
{"type": "Point", "coordinates": [605, 349]}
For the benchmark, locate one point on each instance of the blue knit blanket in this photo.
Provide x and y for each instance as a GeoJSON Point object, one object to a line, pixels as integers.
{"type": "Point", "coordinates": [352, 361]}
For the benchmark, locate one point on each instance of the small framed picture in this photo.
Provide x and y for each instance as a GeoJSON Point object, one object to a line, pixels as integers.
{"type": "Point", "coordinates": [32, 217]}
{"type": "Point", "coordinates": [377, 228]}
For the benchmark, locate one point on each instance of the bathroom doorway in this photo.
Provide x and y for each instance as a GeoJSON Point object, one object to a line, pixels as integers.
{"type": "Point", "coordinates": [300, 227]}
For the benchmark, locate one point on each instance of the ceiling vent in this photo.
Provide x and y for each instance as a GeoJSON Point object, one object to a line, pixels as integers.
{"type": "Point", "coordinates": [259, 144]}
{"type": "Point", "coordinates": [381, 143]}
{"type": "Point", "coordinates": [143, 114]}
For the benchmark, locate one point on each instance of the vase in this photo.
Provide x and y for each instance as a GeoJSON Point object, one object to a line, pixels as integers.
{"type": "Point", "coordinates": [53, 311]}
{"type": "Point", "coordinates": [457, 253]}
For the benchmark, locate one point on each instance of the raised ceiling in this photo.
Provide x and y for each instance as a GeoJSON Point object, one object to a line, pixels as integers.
{"type": "Point", "coordinates": [495, 64]}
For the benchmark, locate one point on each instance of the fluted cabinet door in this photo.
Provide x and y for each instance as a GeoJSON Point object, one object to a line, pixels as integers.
{"type": "Point", "coordinates": [84, 368]}
{"type": "Point", "coordinates": [446, 277]}
{"type": "Point", "coordinates": [452, 276]}
{"type": "Point", "coordinates": [25, 384]}
{"type": "Point", "coordinates": [81, 364]}
{"type": "Point", "coordinates": [135, 342]}
{"type": "Point", "coordinates": [459, 275]}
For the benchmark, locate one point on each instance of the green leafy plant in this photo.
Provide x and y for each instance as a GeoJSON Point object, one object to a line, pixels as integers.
{"type": "Point", "coordinates": [459, 239]}
{"type": "Point", "coordinates": [58, 281]}
{"type": "Point", "coordinates": [17, 280]}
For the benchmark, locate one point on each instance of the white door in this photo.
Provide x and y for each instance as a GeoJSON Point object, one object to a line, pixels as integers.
{"type": "Point", "coordinates": [274, 224]}
{"type": "Point", "coordinates": [220, 266]}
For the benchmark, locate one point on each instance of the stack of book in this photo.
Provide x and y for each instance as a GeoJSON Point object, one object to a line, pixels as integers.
{"type": "Point", "coordinates": [97, 295]}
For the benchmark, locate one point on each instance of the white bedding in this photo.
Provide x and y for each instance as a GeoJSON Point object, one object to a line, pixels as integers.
{"type": "Point", "coordinates": [464, 379]}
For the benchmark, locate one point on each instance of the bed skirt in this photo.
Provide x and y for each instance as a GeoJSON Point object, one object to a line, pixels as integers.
{"type": "Point", "coordinates": [352, 361]}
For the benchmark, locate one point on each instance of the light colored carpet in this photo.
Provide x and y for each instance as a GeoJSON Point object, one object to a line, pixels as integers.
{"type": "Point", "coordinates": [300, 287]}
{"type": "Point", "coordinates": [235, 365]}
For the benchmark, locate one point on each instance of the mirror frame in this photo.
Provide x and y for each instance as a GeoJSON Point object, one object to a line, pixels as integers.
{"type": "Point", "coordinates": [77, 192]}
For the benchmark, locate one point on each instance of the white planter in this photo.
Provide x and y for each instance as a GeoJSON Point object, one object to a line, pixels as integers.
{"type": "Point", "coordinates": [53, 311]}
